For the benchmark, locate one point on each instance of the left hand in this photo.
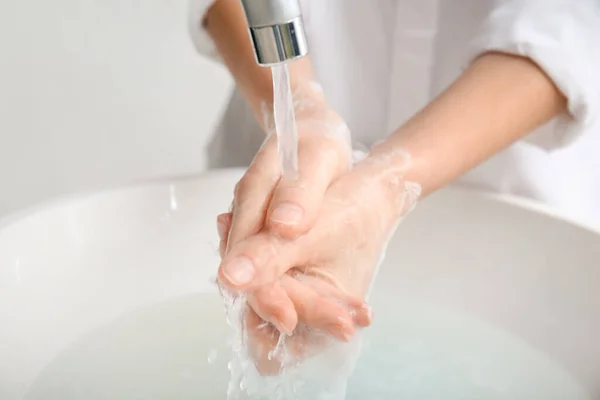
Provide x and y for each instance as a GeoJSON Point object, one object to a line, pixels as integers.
{"type": "Point", "coordinates": [336, 259]}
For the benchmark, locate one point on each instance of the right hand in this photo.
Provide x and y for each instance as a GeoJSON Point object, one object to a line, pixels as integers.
{"type": "Point", "coordinates": [330, 269]}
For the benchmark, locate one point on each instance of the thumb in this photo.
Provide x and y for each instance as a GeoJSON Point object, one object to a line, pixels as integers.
{"type": "Point", "coordinates": [253, 193]}
{"type": "Point", "coordinates": [296, 201]}
{"type": "Point", "coordinates": [258, 260]}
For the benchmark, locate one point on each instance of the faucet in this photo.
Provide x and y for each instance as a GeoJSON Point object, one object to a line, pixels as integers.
{"type": "Point", "coordinates": [276, 30]}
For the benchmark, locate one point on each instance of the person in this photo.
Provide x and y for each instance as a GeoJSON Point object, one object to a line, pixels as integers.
{"type": "Point", "coordinates": [486, 94]}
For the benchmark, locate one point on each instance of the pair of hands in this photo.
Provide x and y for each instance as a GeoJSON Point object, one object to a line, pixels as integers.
{"type": "Point", "coordinates": [305, 250]}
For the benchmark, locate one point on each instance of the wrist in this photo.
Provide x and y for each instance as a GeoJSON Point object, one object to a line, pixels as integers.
{"type": "Point", "coordinates": [497, 101]}
{"type": "Point", "coordinates": [391, 169]}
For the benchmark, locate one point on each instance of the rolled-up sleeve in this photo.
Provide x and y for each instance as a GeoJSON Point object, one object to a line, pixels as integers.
{"type": "Point", "coordinates": [563, 38]}
{"type": "Point", "coordinates": [202, 41]}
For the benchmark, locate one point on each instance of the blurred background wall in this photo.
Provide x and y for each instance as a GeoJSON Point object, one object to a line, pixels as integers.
{"type": "Point", "coordinates": [100, 93]}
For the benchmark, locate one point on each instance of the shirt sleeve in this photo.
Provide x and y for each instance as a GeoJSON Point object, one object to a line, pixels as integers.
{"type": "Point", "coordinates": [562, 37]}
{"type": "Point", "coordinates": [202, 41]}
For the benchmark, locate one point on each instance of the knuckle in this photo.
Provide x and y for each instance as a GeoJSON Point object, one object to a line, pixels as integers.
{"type": "Point", "coordinates": [295, 193]}
{"type": "Point", "coordinates": [241, 187]}
{"type": "Point", "coordinates": [274, 309]}
{"type": "Point", "coordinates": [264, 250]}
{"type": "Point", "coordinates": [258, 176]}
{"type": "Point", "coordinates": [247, 182]}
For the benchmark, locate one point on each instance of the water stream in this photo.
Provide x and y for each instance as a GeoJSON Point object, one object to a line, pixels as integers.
{"type": "Point", "coordinates": [285, 121]}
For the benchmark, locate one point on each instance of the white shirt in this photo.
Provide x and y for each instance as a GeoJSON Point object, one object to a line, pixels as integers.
{"type": "Point", "coordinates": [380, 61]}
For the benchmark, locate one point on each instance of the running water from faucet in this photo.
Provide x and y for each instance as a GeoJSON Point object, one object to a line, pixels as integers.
{"type": "Point", "coordinates": [285, 121]}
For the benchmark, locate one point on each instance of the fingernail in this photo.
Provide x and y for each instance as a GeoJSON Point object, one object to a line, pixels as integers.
{"type": "Point", "coordinates": [287, 214]}
{"type": "Point", "coordinates": [239, 271]}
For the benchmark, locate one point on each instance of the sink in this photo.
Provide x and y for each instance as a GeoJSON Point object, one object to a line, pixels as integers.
{"type": "Point", "coordinates": [109, 296]}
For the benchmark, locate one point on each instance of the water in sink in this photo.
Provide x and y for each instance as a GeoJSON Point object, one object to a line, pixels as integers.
{"type": "Point", "coordinates": [179, 350]}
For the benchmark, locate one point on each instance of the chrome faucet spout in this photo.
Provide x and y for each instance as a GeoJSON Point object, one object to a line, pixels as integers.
{"type": "Point", "coordinates": [276, 30]}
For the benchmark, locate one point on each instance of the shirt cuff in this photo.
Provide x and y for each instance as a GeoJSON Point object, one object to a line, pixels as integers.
{"type": "Point", "coordinates": [560, 36]}
{"type": "Point", "coordinates": [201, 39]}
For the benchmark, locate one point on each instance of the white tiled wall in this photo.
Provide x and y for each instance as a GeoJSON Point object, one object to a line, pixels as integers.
{"type": "Point", "coordinates": [97, 93]}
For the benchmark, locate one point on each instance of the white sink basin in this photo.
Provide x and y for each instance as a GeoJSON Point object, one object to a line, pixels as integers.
{"type": "Point", "coordinates": [108, 297]}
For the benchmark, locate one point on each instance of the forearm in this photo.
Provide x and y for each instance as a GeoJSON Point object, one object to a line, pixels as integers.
{"type": "Point", "coordinates": [226, 24]}
{"type": "Point", "coordinates": [497, 101]}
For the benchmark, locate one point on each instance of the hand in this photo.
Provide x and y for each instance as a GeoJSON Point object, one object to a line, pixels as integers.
{"type": "Point", "coordinates": [331, 309]}
{"type": "Point", "coordinates": [337, 258]}
{"type": "Point", "coordinates": [289, 208]}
